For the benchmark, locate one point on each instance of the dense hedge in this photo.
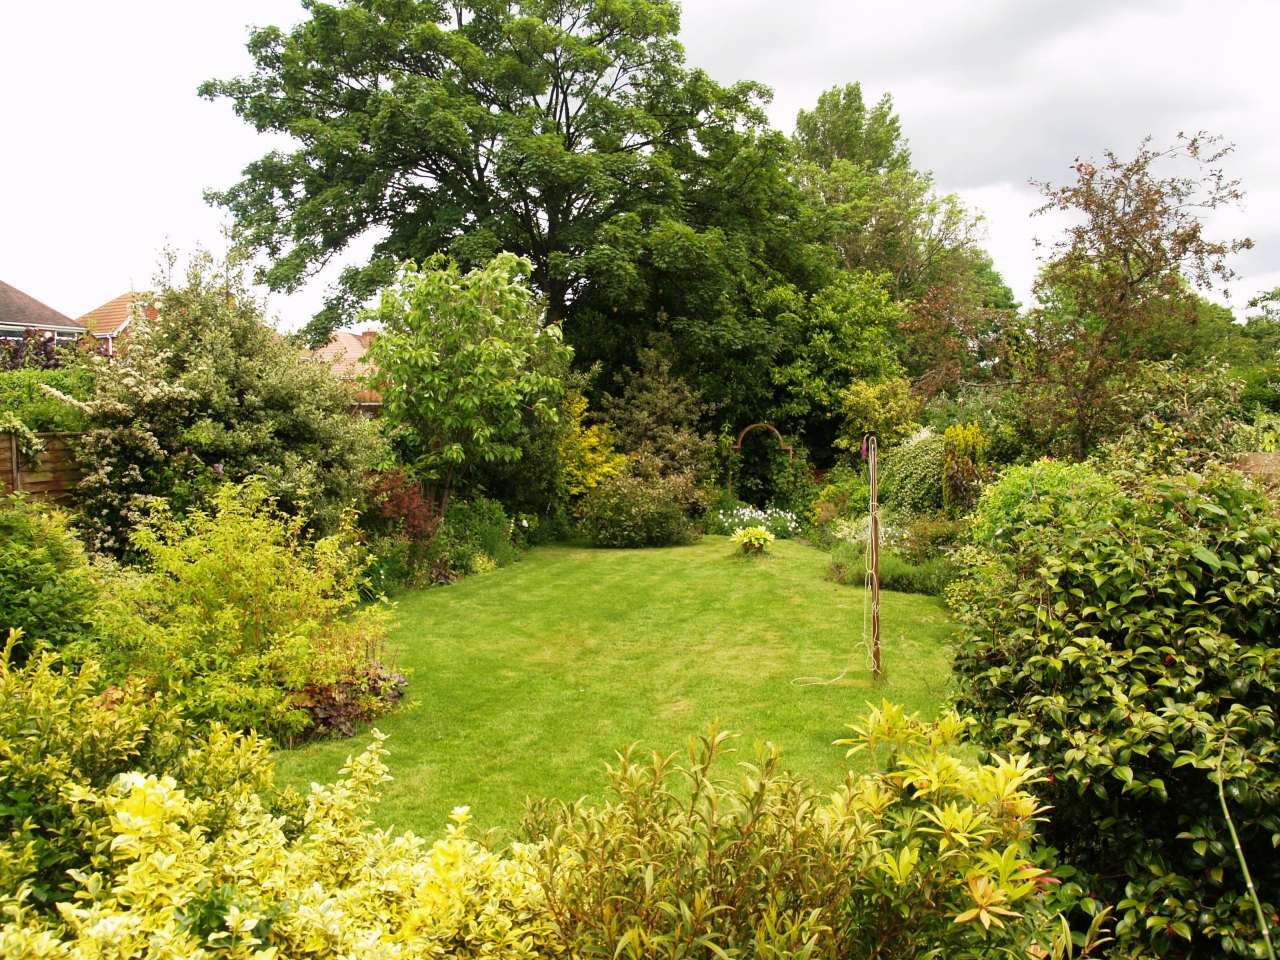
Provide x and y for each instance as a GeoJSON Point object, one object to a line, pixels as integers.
{"type": "Point", "coordinates": [1127, 641]}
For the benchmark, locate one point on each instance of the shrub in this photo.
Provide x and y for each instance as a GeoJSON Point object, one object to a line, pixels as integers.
{"type": "Point", "coordinates": [46, 587]}
{"type": "Point", "coordinates": [586, 452]}
{"type": "Point", "coordinates": [65, 739]}
{"type": "Point", "coordinates": [168, 840]}
{"type": "Point", "coordinates": [22, 394]}
{"type": "Point", "coordinates": [782, 524]}
{"type": "Point", "coordinates": [207, 392]}
{"type": "Point", "coordinates": [1125, 638]}
{"type": "Point", "coordinates": [244, 621]}
{"type": "Point", "coordinates": [929, 577]}
{"type": "Point", "coordinates": [887, 408]}
{"type": "Point", "coordinates": [752, 539]}
{"type": "Point", "coordinates": [639, 510]}
{"type": "Point", "coordinates": [962, 474]}
{"type": "Point", "coordinates": [659, 413]}
{"type": "Point", "coordinates": [475, 536]}
{"type": "Point", "coordinates": [925, 538]}
{"type": "Point", "coordinates": [401, 525]}
{"type": "Point", "coordinates": [926, 856]}
{"type": "Point", "coordinates": [461, 359]}
{"type": "Point", "coordinates": [844, 493]}
{"type": "Point", "coordinates": [1034, 491]}
{"type": "Point", "coordinates": [911, 474]}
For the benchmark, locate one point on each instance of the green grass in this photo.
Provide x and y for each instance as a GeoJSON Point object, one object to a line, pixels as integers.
{"type": "Point", "coordinates": [530, 677]}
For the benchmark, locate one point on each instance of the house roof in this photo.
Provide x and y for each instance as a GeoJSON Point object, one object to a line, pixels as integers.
{"type": "Point", "coordinates": [19, 312]}
{"type": "Point", "coordinates": [345, 355]}
{"type": "Point", "coordinates": [113, 316]}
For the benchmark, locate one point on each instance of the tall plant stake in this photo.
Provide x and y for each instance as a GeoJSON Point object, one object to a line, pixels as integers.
{"type": "Point", "coordinates": [872, 464]}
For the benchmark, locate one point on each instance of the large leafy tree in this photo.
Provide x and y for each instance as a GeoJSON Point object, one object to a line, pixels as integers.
{"type": "Point", "coordinates": [546, 128]}
{"type": "Point", "coordinates": [461, 358]}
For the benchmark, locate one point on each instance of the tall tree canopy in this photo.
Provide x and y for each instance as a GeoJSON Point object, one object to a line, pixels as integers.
{"type": "Point", "coordinates": [1120, 286]}
{"type": "Point", "coordinates": [536, 127]}
{"type": "Point", "coordinates": [884, 217]}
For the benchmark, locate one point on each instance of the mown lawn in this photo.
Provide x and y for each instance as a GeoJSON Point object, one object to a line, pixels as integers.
{"type": "Point", "coordinates": [529, 678]}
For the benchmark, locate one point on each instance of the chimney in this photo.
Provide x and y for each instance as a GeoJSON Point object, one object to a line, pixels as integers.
{"type": "Point", "coordinates": [367, 337]}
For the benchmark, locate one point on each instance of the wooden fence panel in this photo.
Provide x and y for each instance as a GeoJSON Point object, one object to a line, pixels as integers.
{"type": "Point", "coordinates": [53, 477]}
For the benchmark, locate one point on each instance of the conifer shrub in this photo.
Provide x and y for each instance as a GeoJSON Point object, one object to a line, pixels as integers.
{"type": "Point", "coordinates": [47, 589]}
{"type": "Point", "coordinates": [1121, 630]}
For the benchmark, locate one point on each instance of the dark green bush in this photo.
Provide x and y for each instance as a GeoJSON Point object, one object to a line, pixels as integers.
{"type": "Point", "coordinates": [640, 511]}
{"type": "Point", "coordinates": [46, 587]}
{"type": "Point", "coordinates": [1123, 632]}
{"type": "Point", "coordinates": [474, 536]}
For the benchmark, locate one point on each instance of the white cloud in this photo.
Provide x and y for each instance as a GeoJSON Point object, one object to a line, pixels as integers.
{"type": "Point", "coordinates": [108, 149]}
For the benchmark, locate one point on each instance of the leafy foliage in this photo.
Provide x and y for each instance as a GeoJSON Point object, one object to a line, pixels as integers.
{"type": "Point", "coordinates": [555, 131]}
{"type": "Point", "coordinates": [243, 620]}
{"type": "Point", "coordinates": [169, 836]}
{"type": "Point", "coordinates": [474, 537]}
{"type": "Point", "coordinates": [752, 539]}
{"type": "Point", "coordinates": [46, 588]}
{"type": "Point", "coordinates": [911, 474]}
{"type": "Point", "coordinates": [460, 356]}
{"type": "Point", "coordinates": [658, 415]}
{"type": "Point", "coordinates": [1118, 288]}
{"type": "Point", "coordinates": [64, 738]}
{"type": "Point", "coordinates": [641, 508]}
{"type": "Point", "coordinates": [887, 408]}
{"type": "Point", "coordinates": [587, 453]}
{"type": "Point", "coordinates": [925, 853]}
{"type": "Point", "coordinates": [22, 394]}
{"type": "Point", "coordinates": [962, 474]}
{"type": "Point", "coordinates": [1122, 635]}
{"type": "Point", "coordinates": [207, 392]}
{"type": "Point", "coordinates": [1025, 495]}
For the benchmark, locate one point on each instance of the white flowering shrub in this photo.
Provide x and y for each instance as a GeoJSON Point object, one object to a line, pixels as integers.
{"type": "Point", "coordinates": [783, 524]}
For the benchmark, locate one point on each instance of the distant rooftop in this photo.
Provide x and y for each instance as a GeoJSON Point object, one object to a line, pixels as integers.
{"type": "Point", "coordinates": [112, 317]}
{"type": "Point", "coordinates": [19, 312]}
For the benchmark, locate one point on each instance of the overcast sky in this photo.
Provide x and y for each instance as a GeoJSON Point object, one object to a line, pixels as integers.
{"type": "Point", "coordinates": [105, 148]}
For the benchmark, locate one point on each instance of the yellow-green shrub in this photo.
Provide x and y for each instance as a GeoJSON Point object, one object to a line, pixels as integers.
{"type": "Point", "coordinates": [62, 734]}
{"type": "Point", "coordinates": [587, 455]}
{"type": "Point", "coordinates": [928, 856]}
{"type": "Point", "coordinates": [184, 858]}
{"type": "Point", "coordinates": [175, 847]}
{"type": "Point", "coordinates": [245, 620]}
